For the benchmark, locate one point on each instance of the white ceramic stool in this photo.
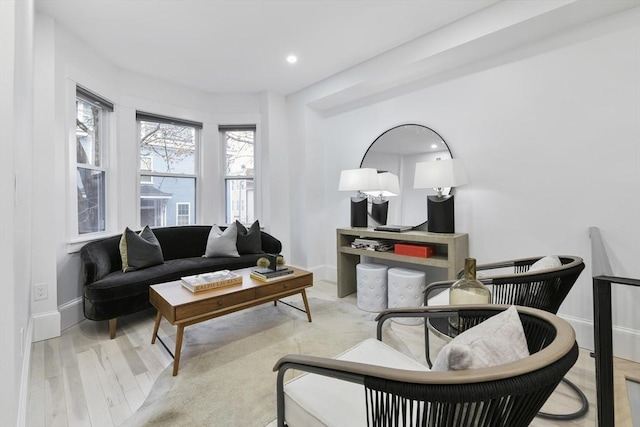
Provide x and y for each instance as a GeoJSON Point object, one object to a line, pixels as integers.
{"type": "Point", "coordinates": [371, 282]}
{"type": "Point", "coordinates": [406, 288]}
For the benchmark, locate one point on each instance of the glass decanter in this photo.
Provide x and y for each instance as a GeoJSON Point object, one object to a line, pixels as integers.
{"type": "Point", "coordinates": [468, 290]}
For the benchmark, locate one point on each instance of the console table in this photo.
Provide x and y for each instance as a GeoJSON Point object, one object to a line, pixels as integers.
{"type": "Point", "coordinates": [450, 252]}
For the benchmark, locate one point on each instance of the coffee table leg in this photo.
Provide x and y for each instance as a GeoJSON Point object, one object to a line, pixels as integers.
{"type": "Point", "coordinates": [306, 305]}
{"type": "Point", "coordinates": [155, 327]}
{"type": "Point", "coordinates": [176, 359]}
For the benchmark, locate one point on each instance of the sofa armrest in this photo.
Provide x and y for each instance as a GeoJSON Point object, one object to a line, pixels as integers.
{"type": "Point", "coordinates": [87, 268]}
{"type": "Point", "coordinates": [100, 258]}
{"type": "Point", "coordinates": [270, 244]}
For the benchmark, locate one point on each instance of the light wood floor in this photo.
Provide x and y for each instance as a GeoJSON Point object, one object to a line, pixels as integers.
{"type": "Point", "coordinates": [83, 378]}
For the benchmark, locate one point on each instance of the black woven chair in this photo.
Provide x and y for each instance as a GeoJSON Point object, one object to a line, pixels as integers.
{"type": "Point", "coordinates": [506, 395]}
{"type": "Point", "coordinates": [542, 289]}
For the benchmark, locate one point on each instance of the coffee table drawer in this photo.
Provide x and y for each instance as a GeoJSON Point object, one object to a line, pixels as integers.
{"type": "Point", "coordinates": [213, 304]}
{"type": "Point", "coordinates": [278, 287]}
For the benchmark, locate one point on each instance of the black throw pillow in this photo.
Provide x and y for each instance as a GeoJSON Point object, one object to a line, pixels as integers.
{"type": "Point", "coordinates": [139, 251]}
{"type": "Point", "coordinates": [249, 241]}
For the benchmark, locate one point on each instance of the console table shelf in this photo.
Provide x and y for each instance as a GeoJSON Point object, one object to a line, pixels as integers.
{"type": "Point", "coordinates": [451, 251]}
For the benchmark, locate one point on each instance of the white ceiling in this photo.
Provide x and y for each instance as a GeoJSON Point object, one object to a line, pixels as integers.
{"type": "Point", "coordinates": [239, 46]}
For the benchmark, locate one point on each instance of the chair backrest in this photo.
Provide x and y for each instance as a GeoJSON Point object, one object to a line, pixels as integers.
{"type": "Point", "coordinates": [544, 289]}
{"type": "Point", "coordinates": [506, 395]}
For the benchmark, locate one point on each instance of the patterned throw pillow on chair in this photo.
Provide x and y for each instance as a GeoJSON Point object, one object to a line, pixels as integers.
{"type": "Point", "coordinates": [550, 261]}
{"type": "Point", "coordinates": [496, 341]}
{"type": "Point", "coordinates": [139, 251]}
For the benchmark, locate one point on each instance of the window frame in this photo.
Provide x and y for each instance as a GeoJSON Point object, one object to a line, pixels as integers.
{"type": "Point", "coordinates": [105, 132]}
{"type": "Point", "coordinates": [150, 175]}
{"type": "Point", "coordinates": [222, 129]}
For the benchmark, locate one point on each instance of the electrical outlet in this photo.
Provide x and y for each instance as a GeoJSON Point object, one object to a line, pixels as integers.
{"type": "Point", "coordinates": [40, 292]}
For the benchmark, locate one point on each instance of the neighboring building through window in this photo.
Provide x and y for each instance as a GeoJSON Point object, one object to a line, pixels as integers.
{"type": "Point", "coordinates": [146, 166]}
{"type": "Point", "coordinates": [183, 213]}
{"type": "Point", "coordinates": [239, 149]}
{"type": "Point", "coordinates": [92, 124]}
{"type": "Point", "coordinates": [167, 150]}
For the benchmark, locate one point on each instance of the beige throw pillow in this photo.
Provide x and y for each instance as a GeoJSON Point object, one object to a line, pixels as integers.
{"type": "Point", "coordinates": [498, 340]}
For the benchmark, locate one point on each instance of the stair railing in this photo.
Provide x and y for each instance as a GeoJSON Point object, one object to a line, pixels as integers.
{"type": "Point", "coordinates": [603, 278]}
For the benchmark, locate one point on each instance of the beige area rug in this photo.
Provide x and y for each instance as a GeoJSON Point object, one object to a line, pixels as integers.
{"type": "Point", "coordinates": [226, 376]}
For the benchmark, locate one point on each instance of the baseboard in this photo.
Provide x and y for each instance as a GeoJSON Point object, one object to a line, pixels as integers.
{"type": "Point", "coordinates": [331, 274]}
{"type": "Point", "coordinates": [71, 313]}
{"type": "Point", "coordinates": [46, 325]}
{"type": "Point", "coordinates": [626, 341]}
{"type": "Point", "coordinates": [23, 398]}
{"type": "Point", "coordinates": [319, 272]}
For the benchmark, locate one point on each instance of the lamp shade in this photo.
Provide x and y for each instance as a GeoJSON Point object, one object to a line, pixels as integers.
{"type": "Point", "coordinates": [388, 185]}
{"type": "Point", "coordinates": [440, 174]}
{"type": "Point", "coordinates": [364, 179]}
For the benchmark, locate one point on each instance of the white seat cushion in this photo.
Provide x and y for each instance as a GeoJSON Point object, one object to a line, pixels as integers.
{"type": "Point", "coordinates": [440, 299]}
{"type": "Point", "coordinates": [314, 400]}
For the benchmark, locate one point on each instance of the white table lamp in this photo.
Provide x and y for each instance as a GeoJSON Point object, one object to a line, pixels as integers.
{"type": "Point", "coordinates": [358, 180]}
{"type": "Point", "coordinates": [388, 186]}
{"type": "Point", "coordinates": [440, 174]}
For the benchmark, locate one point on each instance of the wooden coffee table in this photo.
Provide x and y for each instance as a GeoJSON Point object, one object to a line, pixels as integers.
{"type": "Point", "coordinates": [182, 307]}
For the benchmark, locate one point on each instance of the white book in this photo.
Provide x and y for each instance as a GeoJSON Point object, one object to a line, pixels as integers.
{"type": "Point", "coordinates": [213, 280]}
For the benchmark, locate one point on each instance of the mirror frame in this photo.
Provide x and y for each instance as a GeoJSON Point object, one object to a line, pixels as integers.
{"type": "Point", "coordinates": [405, 188]}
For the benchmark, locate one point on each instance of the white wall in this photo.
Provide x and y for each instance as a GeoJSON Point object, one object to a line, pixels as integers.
{"type": "Point", "coordinates": [71, 63]}
{"type": "Point", "coordinates": [45, 152]}
{"type": "Point", "coordinates": [549, 134]}
{"type": "Point", "coordinates": [305, 190]}
{"type": "Point", "coordinates": [275, 159]}
{"type": "Point", "coordinates": [16, 144]}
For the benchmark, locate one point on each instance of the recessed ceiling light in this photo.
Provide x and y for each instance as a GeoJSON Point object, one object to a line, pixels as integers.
{"type": "Point", "coordinates": [434, 145]}
{"type": "Point", "coordinates": [292, 59]}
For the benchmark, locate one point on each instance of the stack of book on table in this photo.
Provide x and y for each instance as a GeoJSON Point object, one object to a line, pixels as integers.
{"type": "Point", "coordinates": [213, 280]}
{"type": "Point", "coordinates": [372, 245]}
{"type": "Point", "coordinates": [267, 275]}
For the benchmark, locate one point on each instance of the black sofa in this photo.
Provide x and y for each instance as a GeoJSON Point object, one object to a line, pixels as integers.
{"type": "Point", "coordinates": [108, 293]}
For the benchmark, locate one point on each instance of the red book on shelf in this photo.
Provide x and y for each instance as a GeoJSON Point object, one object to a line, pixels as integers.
{"type": "Point", "coordinates": [422, 251]}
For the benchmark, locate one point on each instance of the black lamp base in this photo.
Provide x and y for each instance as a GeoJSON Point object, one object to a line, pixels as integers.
{"type": "Point", "coordinates": [358, 211]}
{"type": "Point", "coordinates": [379, 212]}
{"type": "Point", "coordinates": [440, 214]}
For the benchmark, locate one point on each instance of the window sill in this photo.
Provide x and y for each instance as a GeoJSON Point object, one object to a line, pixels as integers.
{"type": "Point", "coordinates": [74, 245]}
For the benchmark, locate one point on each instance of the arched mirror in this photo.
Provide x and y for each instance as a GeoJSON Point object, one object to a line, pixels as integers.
{"type": "Point", "coordinates": [397, 151]}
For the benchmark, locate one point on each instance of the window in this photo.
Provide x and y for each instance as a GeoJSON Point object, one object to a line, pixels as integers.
{"type": "Point", "coordinates": [239, 148]}
{"type": "Point", "coordinates": [168, 149]}
{"type": "Point", "coordinates": [183, 213]}
{"type": "Point", "coordinates": [92, 116]}
{"type": "Point", "coordinates": [146, 165]}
